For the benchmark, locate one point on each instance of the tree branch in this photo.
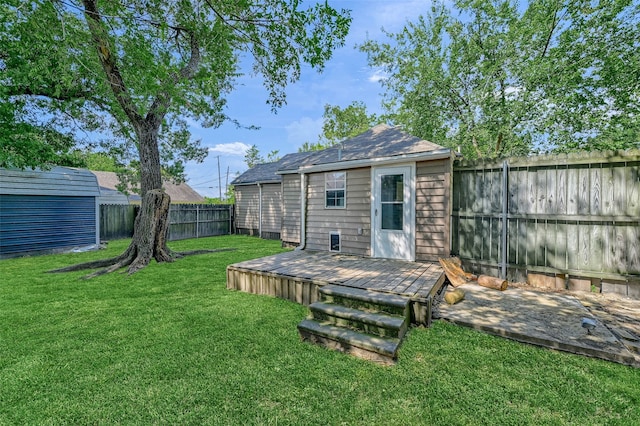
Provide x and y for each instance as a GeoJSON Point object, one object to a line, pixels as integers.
{"type": "Point", "coordinates": [108, 61]}
{"type": "Point", "coordinates": [162, 100]}
{"type": "Point", "coordinates": [553, 27]}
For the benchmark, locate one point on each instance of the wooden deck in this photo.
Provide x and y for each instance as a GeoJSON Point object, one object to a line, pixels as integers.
{"type": "Point", "coordinates": [296, 276]}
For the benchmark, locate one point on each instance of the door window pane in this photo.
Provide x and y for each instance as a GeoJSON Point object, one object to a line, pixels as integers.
{"type": "Point", "coordinates": [392, 216]}
{"type": "Point", "coordinates": [392, 201]}
{"type": "Point", "coordinates": [392, 188]}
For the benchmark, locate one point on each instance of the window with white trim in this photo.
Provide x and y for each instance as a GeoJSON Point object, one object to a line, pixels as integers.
{"type": "Point", "coordinates": [335, 185]}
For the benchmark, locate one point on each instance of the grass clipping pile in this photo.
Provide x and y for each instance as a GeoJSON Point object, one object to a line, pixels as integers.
{"type": "Point", "coordinates": [457, 277]}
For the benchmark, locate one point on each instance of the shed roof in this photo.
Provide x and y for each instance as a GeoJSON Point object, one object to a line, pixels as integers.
{"type": "Point", "coordinates": [64, 181]}
{"type": "Point", "coordinates": [181, 193]}
{"type": "Point", "coordinates": [111, 196]}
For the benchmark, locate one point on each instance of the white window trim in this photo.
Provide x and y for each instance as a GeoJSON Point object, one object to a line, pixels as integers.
{"type": "Point", "coordinates": [345, 190]}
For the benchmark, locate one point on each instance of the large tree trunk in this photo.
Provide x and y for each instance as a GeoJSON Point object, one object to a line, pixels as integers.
{"type": "Point", "coordinates": [150, 231]}
{"type": "Point", "coordinates": [151, 226]}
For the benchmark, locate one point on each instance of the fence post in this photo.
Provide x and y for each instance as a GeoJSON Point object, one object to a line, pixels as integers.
{"type": "Point", "coordinates": [505, 208]}
{"type": "Point", "coordinates": [197, 220]}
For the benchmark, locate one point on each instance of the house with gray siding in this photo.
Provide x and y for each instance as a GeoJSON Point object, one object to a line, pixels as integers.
{"type": "Point", "coordinates": [258, 193]}
{"type": "Point", "coordinates": [383, 193]}
{"type": "Point", "coordinates": [44, 211]}
{"type": "Point", "coordinates": [260, 208]}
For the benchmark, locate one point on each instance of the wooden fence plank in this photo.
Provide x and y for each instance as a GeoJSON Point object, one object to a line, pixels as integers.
{"type": "Point", "coordinates": [581, 215]}
{"type": "Point", "coordinates": [186, 220]}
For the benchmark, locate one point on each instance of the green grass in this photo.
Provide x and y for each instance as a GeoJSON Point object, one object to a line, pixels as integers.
{"type": "Point", "coordinates": [171, 345]}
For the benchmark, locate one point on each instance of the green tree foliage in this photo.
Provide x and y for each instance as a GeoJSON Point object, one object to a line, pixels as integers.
{"type": "Point", "coordinates": [252, 156]}
{"type": "Point", "coordinates": [24, 145]}
{"type": "Point", "coordinates": [139, 69]}
{"type": "Point", "coordinates": [339, 124]}
{"type": "Point", "coordinates": [315, 146]}
{"type": "Point", "coordinates": [343, 123]}
{"type": "Point", "coordinates": [500, 78]}
{"type": "Point", "coordinates": [100, 161]}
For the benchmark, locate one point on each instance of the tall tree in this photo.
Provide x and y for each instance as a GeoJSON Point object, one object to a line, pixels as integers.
{"type": "Point", "coordinates": [252, 156]}
{"type": "Point", "coordinates": [342, 123]}
{"type": "Point", "coordinates": [497, 78]}
{"type": "Point", "coordinates": [24, 145]}
{"type": "Point", "coordinates": [141, 68]}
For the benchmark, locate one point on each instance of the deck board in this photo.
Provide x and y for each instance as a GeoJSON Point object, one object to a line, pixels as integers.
{"type": "Point", "coordinates": [412, 279]}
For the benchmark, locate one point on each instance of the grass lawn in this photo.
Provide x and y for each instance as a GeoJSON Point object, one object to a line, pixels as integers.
{"type": "Point", "coordinates": [171, 345]}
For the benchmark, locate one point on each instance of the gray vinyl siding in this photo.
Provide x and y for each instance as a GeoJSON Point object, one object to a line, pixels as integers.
{"type": "Point", "coordinates": [247, 209]}
{"type": "Point", "coordinates": [271, 208]}
{"type": "Point", "coordinates": [433, 209]}
{"type": "Point", "coordinates": [290, 209]}
{"type": "Point", "coordinates": [347, 221]}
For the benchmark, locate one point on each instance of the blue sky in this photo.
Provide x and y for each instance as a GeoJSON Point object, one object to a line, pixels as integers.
{"type": "Point", "coordinates": [346, 78]}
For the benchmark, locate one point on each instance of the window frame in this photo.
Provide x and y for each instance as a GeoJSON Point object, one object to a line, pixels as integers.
{"type": "Point", "coordinates": [330, 177]}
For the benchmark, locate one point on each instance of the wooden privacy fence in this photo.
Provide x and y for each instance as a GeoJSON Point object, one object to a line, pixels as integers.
{"type": "Point", "coordinates": [116, 221]}
{"type": "Point", "coordinates": [185, 220]}
{"type": "Point", "coordinates": [566, 215]}
{"type": "Point", "coordinates": [199, 220]}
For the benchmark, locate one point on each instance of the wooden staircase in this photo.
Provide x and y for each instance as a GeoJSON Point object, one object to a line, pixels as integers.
{"type": "Point", "coordinates": [363, 323]}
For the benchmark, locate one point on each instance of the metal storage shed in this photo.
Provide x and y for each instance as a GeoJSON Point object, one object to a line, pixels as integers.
{"type": "Point", "coordinates": [47, 211]}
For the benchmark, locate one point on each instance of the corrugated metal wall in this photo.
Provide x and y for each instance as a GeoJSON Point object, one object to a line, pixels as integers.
{"type": "Point", "coordinates": [41, 223]}
{"type": "Point", "coordinates": [47, 210]}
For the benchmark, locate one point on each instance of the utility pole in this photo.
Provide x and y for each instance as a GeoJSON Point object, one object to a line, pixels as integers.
{"type": "Point", "coordinates": [226, 184]}
{"type": "Point", "coordinates": [219, 179]}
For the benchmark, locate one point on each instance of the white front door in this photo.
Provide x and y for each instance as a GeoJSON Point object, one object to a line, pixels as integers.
{"type": "Point", "coordinates": [393, 213]}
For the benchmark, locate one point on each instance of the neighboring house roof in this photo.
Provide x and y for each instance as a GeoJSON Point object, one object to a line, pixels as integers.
{"type": "Point", "coordinates": [181, 193]}
{"type": "Point", "coordinates": [381, 141]}
{"type": "Point", "coordinates": [266, 172]}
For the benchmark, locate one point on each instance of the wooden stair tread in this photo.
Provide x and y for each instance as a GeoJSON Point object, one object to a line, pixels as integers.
{"type": "Point", "coordinates": [383, 346]}
{"type": "Point", "coordinates": [365, 295]}
{"type": "Point", "coordinates": [377, 319]}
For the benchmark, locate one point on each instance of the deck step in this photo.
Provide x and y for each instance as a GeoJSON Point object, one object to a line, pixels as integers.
{"type": "Point", "coordinates": [374, 348]}
{"type": "Point", "coordinates": [365, 299]}
{"type": "Point", "coordinates": [383, 325]}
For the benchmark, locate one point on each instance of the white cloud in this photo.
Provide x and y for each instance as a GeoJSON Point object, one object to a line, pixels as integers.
{"type": "Point", "coordinates": [233, 148]}
{"type": "Point", "coordinates": [377, 76]}
{"type": "Point", "coordinates": [304, 130]}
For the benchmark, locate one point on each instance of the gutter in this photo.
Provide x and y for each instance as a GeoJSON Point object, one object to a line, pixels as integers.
{"type": "Point", "coordinates": [260, 210]}
{"type": "Point", "coordinates": [258, 182]}
{"type": "Point", "coordinates": [303, 212]}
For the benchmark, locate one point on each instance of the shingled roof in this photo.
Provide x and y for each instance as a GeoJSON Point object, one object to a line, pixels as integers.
{"type": "Point", "coordinates": [181, 193]}
{"type": "Point", "coordinates": [381, 141]}
{"type": "Point", "coordinates": [266, 172]}
{"type": "Point", "coordinates": [260, 173]}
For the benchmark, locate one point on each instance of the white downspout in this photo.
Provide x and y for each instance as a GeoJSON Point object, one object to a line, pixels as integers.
{"type": "Point", "coordinates": [303, 211]}
{"type": "Point", "coordinates": [260, 210]}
